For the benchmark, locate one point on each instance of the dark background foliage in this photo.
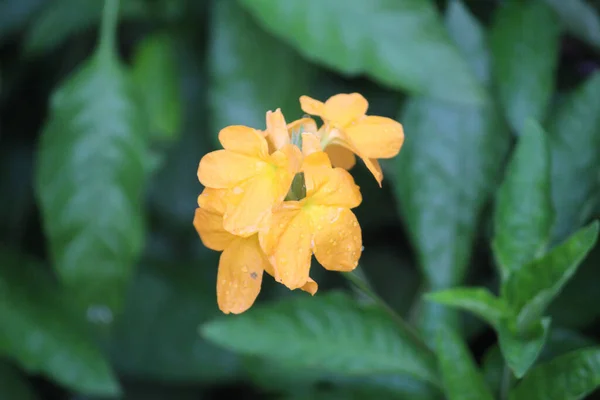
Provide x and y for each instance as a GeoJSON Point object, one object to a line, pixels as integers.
{"type": "Point", "coordinates": [100, 225]}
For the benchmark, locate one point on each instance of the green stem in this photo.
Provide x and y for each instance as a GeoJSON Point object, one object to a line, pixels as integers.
{"type": "Point", "coordinates": [358, 279]}
{"type": "Point", "coordinates": [108, 29]}
{"type": "Point", "coordinates": [506, 382]}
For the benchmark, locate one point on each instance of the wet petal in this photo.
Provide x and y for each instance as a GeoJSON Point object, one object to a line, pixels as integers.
{"type": "Point", "coordinates": [310, 144]}
{"type": "Point", "coordinates": [249, 204]}
{"type": "Point", "coordinates": [243, 140]}
{"type": "Point", "coordinates": [303, 125]}
{"type": "Point", "coordinates": [310, 287]}
{"type": "Point", "coordinates": [223, 169]}
{"type": "Point", "coordinates": [342, 109]}
{"type": "Point", "coordinates": [287, 161]}
{"type": "Point", "coordinates": [338, 240]}
{"type": "Point", "coordinates": [340, 156]}
{"type": "Point", "coordinates": [312, 106]}
{"type": "Point", "coordinates": [277, 129]}
{"type": "Point", "coordinates": [373, 166]}
{"type": "Point", "coordinates": [240, 275]}
{"type": "Point", "coordinates": [331, 187]}
{"type": "Point", "coordinates": [213, 200]}
{"type": "Point", "coordinates": [287, 244]}
{"type": "Point", "coordinates": [376, 137]}
{"type": "Point", "coordinates": [209, 226]}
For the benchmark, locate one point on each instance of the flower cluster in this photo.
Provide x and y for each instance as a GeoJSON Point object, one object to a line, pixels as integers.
{"type": "Point", "coordinates": [274, 198]}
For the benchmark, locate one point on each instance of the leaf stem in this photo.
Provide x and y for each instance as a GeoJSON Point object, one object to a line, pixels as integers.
{"type": "Point", "coordinates": [357, 277]}
{"type": "Point", "coordinates": [108, 29]}
{"type": "Point", "coordinates": [506, 382]}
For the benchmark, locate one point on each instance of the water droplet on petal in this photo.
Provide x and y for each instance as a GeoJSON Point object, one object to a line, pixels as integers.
{"type": "Point", "coordinates": [237, 190]}
{"type": "Point", "coordinates": [362, 248]}
{"type": "Point", "coordinates": [245, 269]}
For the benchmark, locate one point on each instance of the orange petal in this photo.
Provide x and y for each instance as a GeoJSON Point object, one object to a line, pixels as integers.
{"type": "Point", "coordinates": [310, 143]}
{"type": "Point", "coordinates": [331, 187]}
{"type": "Point", "coordinates": [312, 106]}
{"type": "Point", "coordinates": [223, 169]}
{"type": "Point", "coordinates": [209, 226]}
{"type": "Point", "coordinates": [338, 241]}
{"type": "Point", "coordinates": [287, 161]}
{"type": "Point", "coordinates": [240, 275]}
{"type": "Point", "coordinates": [376, 137]}
{"type": "Point", "coordinates": [287, 244]}
{"type": "Point", "coordinates": [342, 109]}
{"type": "Point", "coordinates": [303, 125]}
{"type": "Point", "coordinates": [243, 140]}
{"type": "Point", "coordinates": [277, 129]}
{"type": "Point", "coordinates": [373, 166]}
{"type": "Point", "coordinates": [249, 205]}
{"type": "Point", "coordinates": [340, 156]}
{"type": "Point", "coordinates": [213, 200]}
{"type": "Point", "coordinates": [310, 287]}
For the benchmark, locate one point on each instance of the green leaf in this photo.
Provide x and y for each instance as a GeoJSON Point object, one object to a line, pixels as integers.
{"type": "Point", "coordinates": [246, 81]}
{"type": "Point", "coordinates": [449, 168]}
{"type": "Point", "coordinates": [580, 18]}
{"type": "Point", "coordinates": [520, 351]}
{"type": "Point", "coordinates": [478, 301]}
{"type": "Point", "coordinates": [574, 140]}
{"type": "Point", "coordinates": [401, 44]}
{"type": "Point", "coordinates": [460, 375]}
{"type": "Point", "coordinates": [524, 215]}
{"type": "Point", "coordinates": [13, 385]}
{"type": "Point", "coordinates": [155, 72]}
{"type": "Point", "coordinates": [96, 142]}
{"type": "Point", "coordinates": [468, 34]}
{"type": "Point", "coordinates": [561, 341]}
{"type": "Point", "coordinates": [525, 42]}
{"type": "Point", "coordinates": [61, 19]}
{"type": "Point", "coordinates": [41, 332]}
{"type": "Point", "coordinates": [531, 289]}
{"type": "Point", "coordinates": [331, 332]}
{"type": "Point", "coordinates": [568, 377]}
{"type": "Point", "coordinates": [494, 369]}
{"type": "Point", "coordinates": [446, 173]}
{"type": "Point", "coordinates": [156, 337]}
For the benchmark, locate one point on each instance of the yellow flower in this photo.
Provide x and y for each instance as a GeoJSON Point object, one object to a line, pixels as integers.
{"type": "Point", "coordinates": [242, 262]}
{"type": "Point", "coordinates": [255, 180]}
{"type": "Point", "coordinates": [320, 224]}
{"type": "Point", "coordinates": [347, 129]}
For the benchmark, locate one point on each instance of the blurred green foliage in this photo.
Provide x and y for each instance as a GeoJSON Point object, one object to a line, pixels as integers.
{"type": "Point", "coordinates": [482, 242]}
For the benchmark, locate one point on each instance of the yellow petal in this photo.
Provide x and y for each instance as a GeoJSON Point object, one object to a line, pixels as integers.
{"type": "Point", "coordinates": [287, 244]}
{"type": "Point", "coordinates": [373, 166]}
{"type": "Point", "coordinates": [312, 106]}
{"type": "Point", "coordinates": [340, 156]}
{"type": "Point", "coordinates": [303, 125]}
{"type": "Point", "coordinates": [223, 169]}
{"type": "Point", "coordinates": [342, 109]}
{"type": "Point", "coordinates": [249, 205]}
{"type": "Point", "coordinates": [376, 137]}
{"type": "Point", "coordinates": [240, 275]}
{"type": "Point", "coordinates": [277, 129]}
{"type": "Point", "coordinates": [310, 143]}
{"type": "Point", "coordinates": [209, 226]}
{"type": "Point", "coordinates": [243, 140]}
{"type": "Point", "coordinates": [331, 187]}
{"type": "Point", "coordinates": [310, 287]}
{"type": "Point", "coordinates": [213, 200]}
{"type": "Point", "coordinates": [287, 161]}
{"type": "Point", "coordinates": [338, 241]}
